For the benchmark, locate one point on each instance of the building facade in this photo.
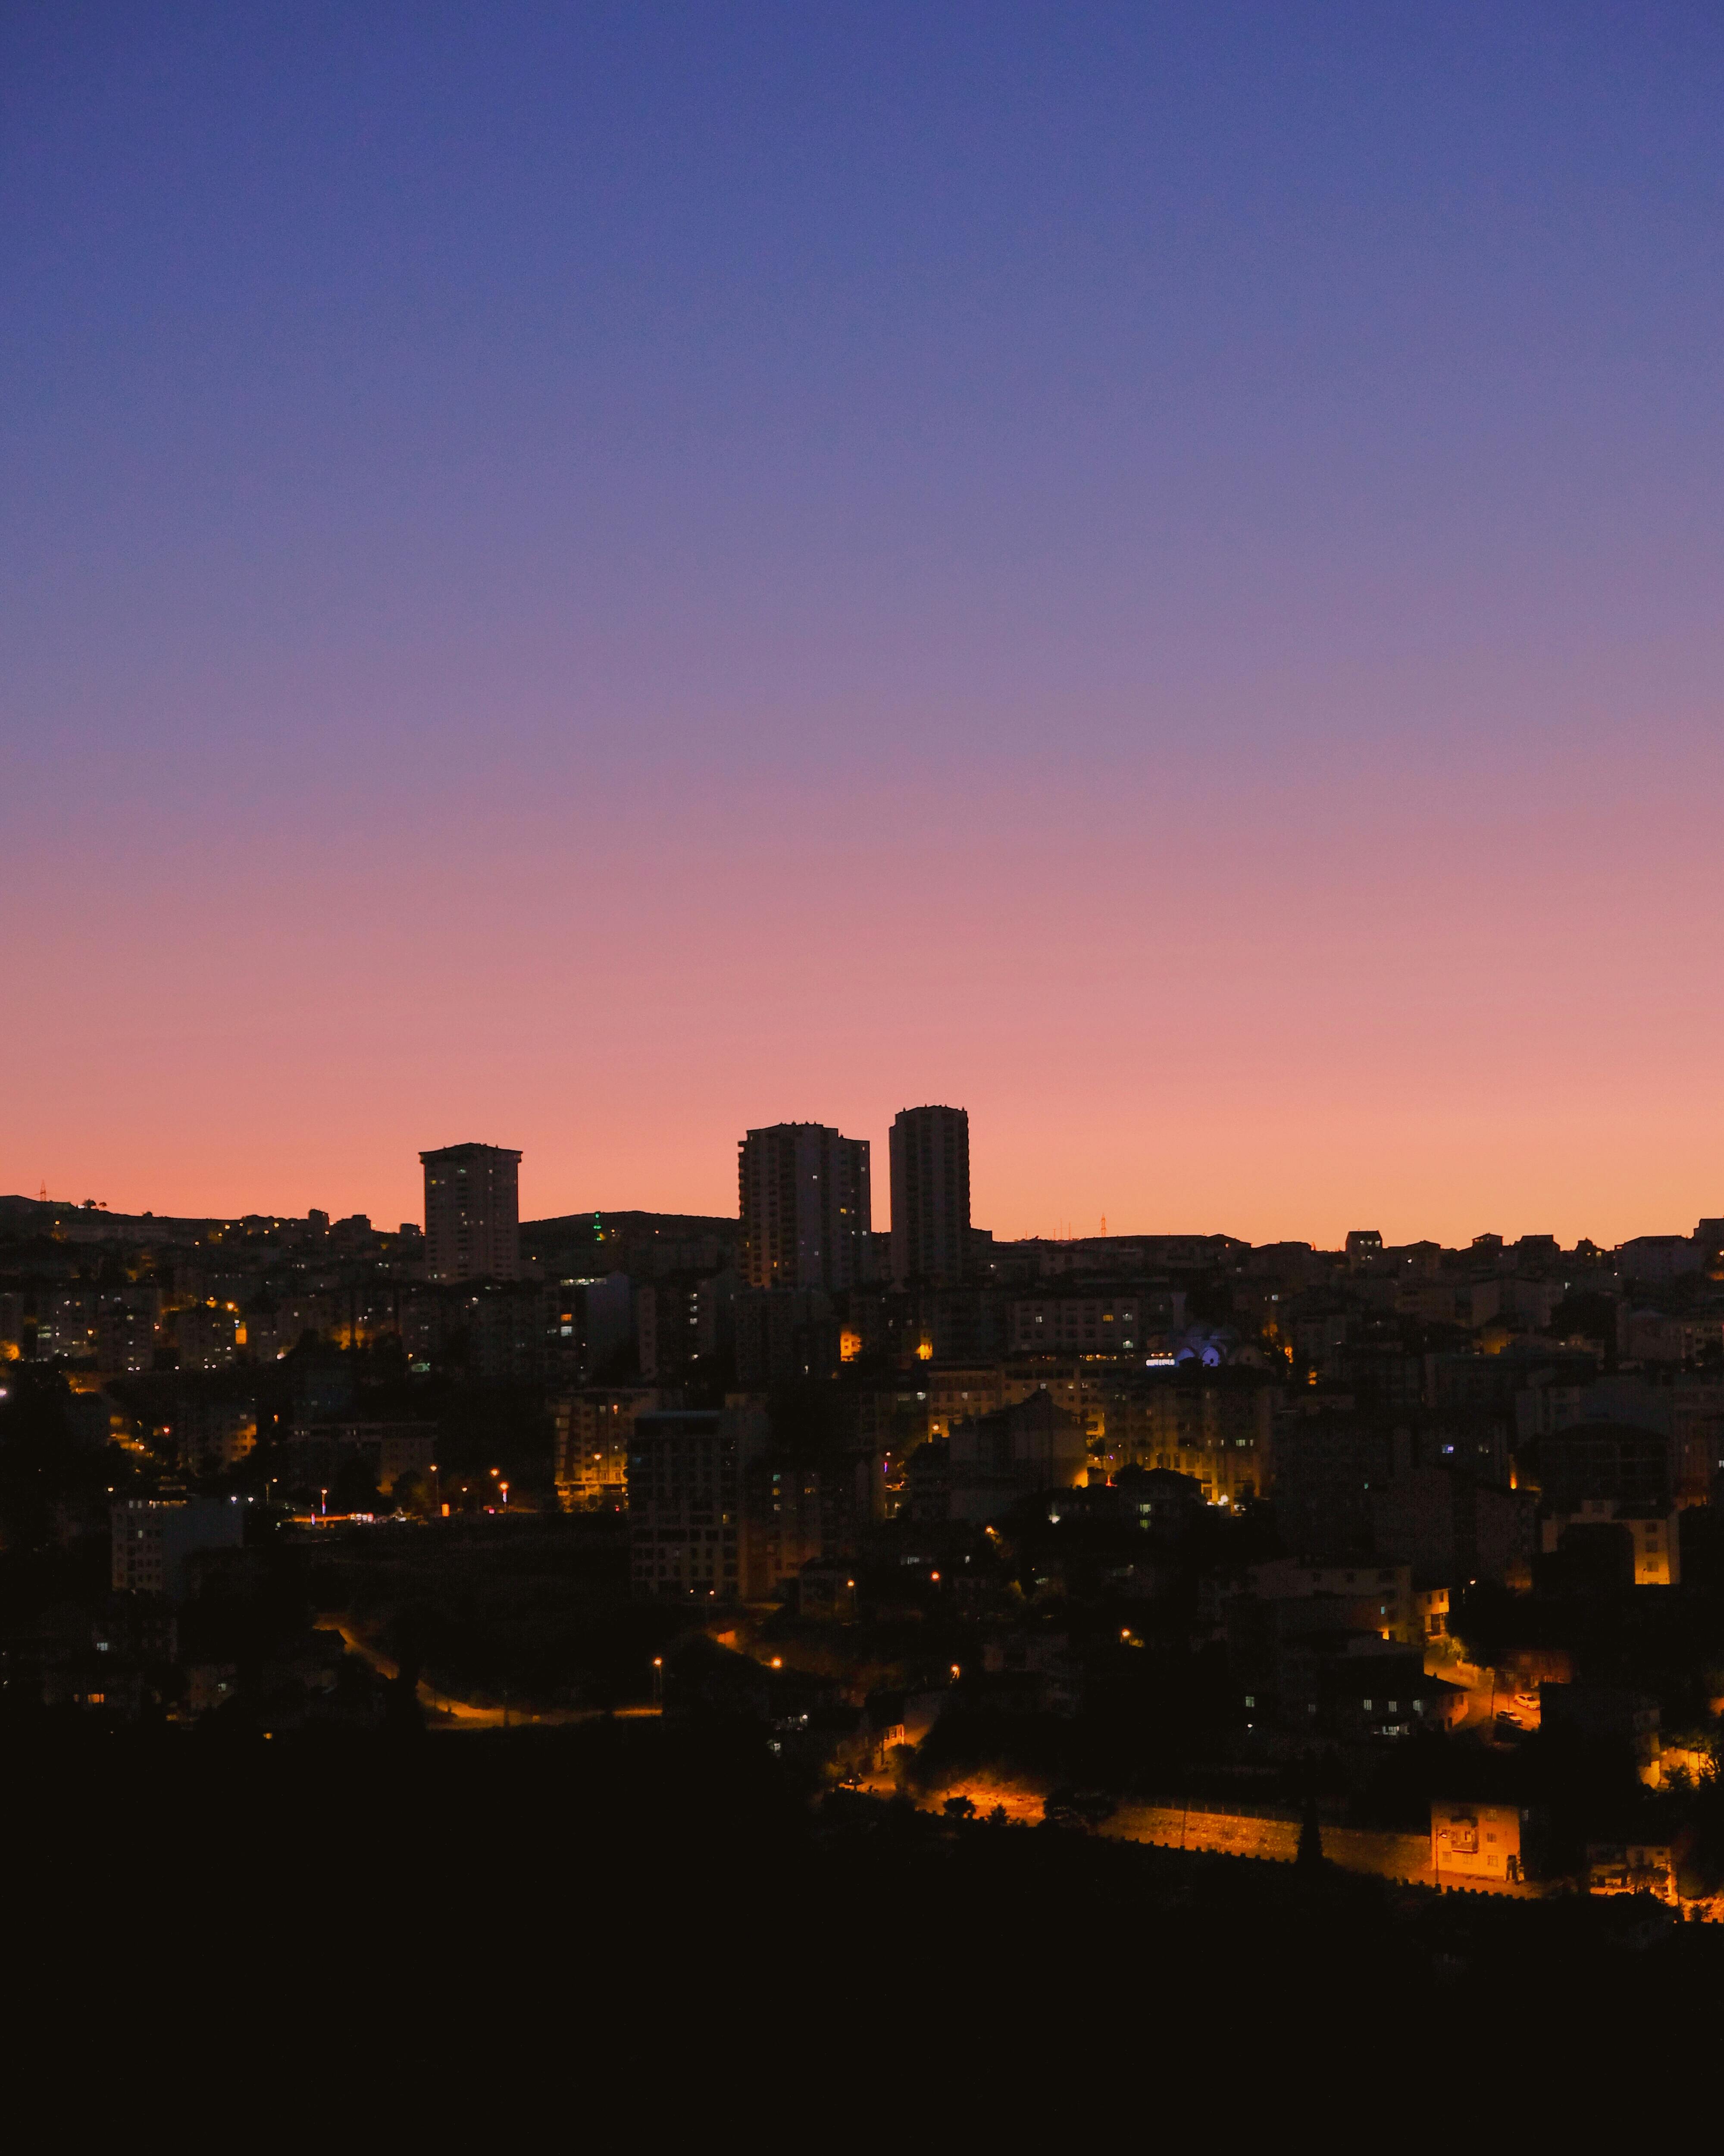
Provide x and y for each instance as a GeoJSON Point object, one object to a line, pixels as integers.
{"type": "Point", "coordinates": [805, 1207]}
{"type": "Point", "coordinates": [1477, 1841]}
{"type": "Point", "coordinates": [595, 1430]}
{"type": "Point", "coordinates": [685, 1490]}
{"type": "Point", "coordinates": [931, 1196]}
{"type": "Point", "coordinates": [151, 1542]}
{"type": "Point", "coordinates": [472, 1212]}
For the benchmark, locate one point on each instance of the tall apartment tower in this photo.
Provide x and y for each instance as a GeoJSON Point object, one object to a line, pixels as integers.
{"type": "Point", "coordinates": [930, 1196]}
{"type": "Point", "coordinates": [805, 1206]}
{"type": "Point", "coordinates": [472, 1212]}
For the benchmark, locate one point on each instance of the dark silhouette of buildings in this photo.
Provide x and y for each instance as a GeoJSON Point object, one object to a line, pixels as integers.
{"type": "Point", "coordinates": [472, 1212]}
{"type": "Point", "coordinates": [931, 1196]}
{"type": "Point", "coordinates": [684, 1485]}
{"type": "Point", "coordinates": [805, 1207]}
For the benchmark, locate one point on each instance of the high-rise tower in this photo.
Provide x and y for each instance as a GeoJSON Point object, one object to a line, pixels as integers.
{"type": "Point", "coordinates": [930, 1196]}
{"type": "Point", "coordinates": [472, 1212]}
{"type": "Point", "coordinates": [805, 1206]}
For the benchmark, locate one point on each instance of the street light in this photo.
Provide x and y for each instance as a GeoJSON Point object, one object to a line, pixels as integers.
{"type": "Point", "coordinates": [658, 1681]}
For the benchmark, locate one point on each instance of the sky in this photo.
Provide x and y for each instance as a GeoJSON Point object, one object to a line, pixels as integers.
{"type": "Point", "coordinates": [591, 578]}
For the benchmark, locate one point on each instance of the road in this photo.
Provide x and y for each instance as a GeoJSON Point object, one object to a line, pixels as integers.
{"type": "Point", "coordinates": [1487, 1700]}
{"type": "Point", "coordinates": [466, 1715]}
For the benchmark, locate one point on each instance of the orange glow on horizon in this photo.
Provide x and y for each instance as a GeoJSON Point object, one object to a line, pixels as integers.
{"type": "Point", "coordinates": [1279, 1050]}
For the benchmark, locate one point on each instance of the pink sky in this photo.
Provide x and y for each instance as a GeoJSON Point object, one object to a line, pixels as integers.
{"type": "Point", "coordinates": [1410, 997]}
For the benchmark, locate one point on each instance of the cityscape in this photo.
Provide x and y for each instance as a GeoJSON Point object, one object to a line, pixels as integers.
{"type": "Point", "coordinates": [861, 1193]}
{"type": "Point", "coordinates": [1400, 1553]}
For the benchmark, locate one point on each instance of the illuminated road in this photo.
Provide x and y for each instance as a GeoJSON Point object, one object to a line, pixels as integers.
{"type": "Point", "coordinates": [463, 1713]}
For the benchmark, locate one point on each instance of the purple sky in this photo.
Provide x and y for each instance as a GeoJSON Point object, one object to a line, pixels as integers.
{"type": "Point", "coordinates": [590, 577]}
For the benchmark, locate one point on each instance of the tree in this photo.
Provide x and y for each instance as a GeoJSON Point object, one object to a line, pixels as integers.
{"type": "Point", "coordinates": [411, 1493]}
{"type": "Point", "coordinates": [959, 1807]}
{"type": "Point", "coordinates": [355, 1487]}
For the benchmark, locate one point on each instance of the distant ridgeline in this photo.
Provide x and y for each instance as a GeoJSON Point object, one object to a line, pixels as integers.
{"type": "Point", "coordinates": [24, 1218]}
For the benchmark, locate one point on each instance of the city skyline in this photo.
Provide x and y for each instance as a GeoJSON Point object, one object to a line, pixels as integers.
{"type": "Point", "coordinates": [1153, 572]}
{"type": "Point", "coordinates": [781, 1267]}
{"type": "Point", "coordinates": [983, 745]}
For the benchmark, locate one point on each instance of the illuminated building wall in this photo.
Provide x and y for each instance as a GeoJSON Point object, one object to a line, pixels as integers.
{"type": "Point", "coordinates": [594, 1431]}
{"type": "Point", "coordinates": [1476, 1841]}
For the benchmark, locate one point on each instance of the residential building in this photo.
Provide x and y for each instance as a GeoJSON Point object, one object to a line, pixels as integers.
{"type": "Point", "coordinates": [1631, 1867]}
{"type": "Point", "coordinates": [1587, 1461]}
{"type": "Point", "coordinates": [1478, 1841]}
{"type": "Point", "coordinates": [1453, 1529]}
{"type": "Point", "coordinates": [1660, 1257]}
{"type": "Point", "coordinates": [997, 1459]}
{"type": "Point", "coordinates": [211, 1435]}
{"type": "Point", "coordinates": [958, 1394]}
{"type": "Point", "coordinates": [794, 1514]}
{"type": "Point", "coordinates": [1218, 1426]}
{"type": "Point", "coordinates": [1321, 1656]}
{"type": "Point", "coordinates": [312, 1458]}
{"type": "Point", "coordinates": [151, 1542]}
{"type": "Point", "coordinates": [1362, 1597]}
{"type": "Point", "coordinates": [1647, 1538]}
{"type": "Point", "coordinates": [931, 1196]}
{"type": "Point", "coordinates": [594, 1430]}
{"type": "Point", "coordinates": [1697, 1414]}
{"type": "Point", "coordinates": [509, 1331]}
{"type": "Point", "coordinates": [208, 1335]}
{"type": "Point", "coordinates": [591, 1323]}
{"type": "Point", "coordinates": [66, 1326]}
{"type": "Point", "coordinates": [685, 1471]}
{"type": "Point", "coordinates": [683, 1322]}
{"type": "Point", "coordinates": [1655, 1336]}
{"type": "Point", "coordinates": [805, 1207]}
{"type": "Point", "coordinates": [472, 1212]}
{"type": "Point", "coordinates": [1128, 1321]}
{"type": "Point", "coordinates": [1357, 1690]}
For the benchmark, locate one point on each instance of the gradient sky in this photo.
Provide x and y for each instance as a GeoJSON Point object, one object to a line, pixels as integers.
{"type": "Point", "coordinates": [590, 576]}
